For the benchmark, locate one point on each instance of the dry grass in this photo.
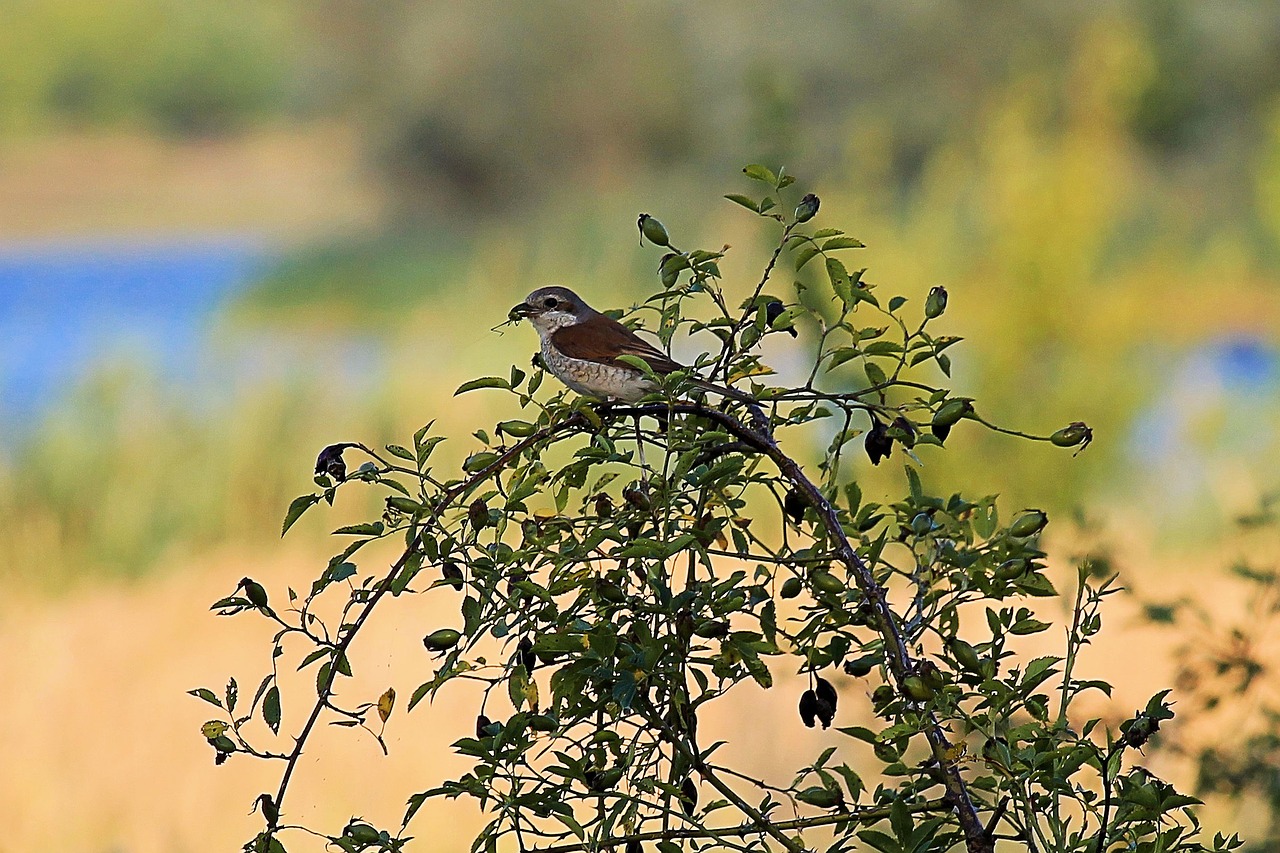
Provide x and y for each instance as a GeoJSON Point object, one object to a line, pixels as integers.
{"type": "Point", "coordinates": [102, 750]}
{"type": "Point", "coordinates": [283, 183]}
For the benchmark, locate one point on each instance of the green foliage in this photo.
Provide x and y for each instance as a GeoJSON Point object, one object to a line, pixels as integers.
{"type": "Point", "coordinates": [177, 67]}
{"type": "Point", "coordinates": [619, 568]}
{"type": "Point", "coordinates": [1226, 676]}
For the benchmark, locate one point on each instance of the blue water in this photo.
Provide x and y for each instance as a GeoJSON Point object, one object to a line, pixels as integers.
{"type": "Point", "coordinates": [65, 307]}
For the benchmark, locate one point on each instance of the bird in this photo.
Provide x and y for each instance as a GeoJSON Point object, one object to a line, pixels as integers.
{"type": "Point", "coordinates": [581, 347]}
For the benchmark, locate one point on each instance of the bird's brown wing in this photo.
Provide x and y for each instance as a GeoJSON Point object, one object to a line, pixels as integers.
{"type": "Point", "coordinates": [601, 339]}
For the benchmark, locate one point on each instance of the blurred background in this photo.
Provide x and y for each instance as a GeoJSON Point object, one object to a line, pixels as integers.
{"type": "Point", "coordinates": [233, 232]}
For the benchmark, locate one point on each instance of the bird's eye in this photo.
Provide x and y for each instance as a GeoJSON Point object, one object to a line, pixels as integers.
{"type": "Point", "coordinates": [550, 302]}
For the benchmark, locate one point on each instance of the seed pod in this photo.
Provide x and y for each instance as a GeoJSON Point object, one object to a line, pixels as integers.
{"type": "Point", "coordinates": [826, 692]}
{"type": "Point", "coordinates": [878, 443]}
{"type": "Point", "coordinates": [773, 310]}
{"type": "Point", "coordinates": [950, 412]}
{"type": "Point", "coordinates": [907, 431]}
{"type": "Point", "coordinates": [689, 796]}
{"type": "Point", "coordinates": [1140, 731]}
{"type": "Point", "coordinates": [809, 708]}
{"type": "Point", "coordinates": [936, 302]}
{"type": "Point", "coordinates": [1028, 524]}
{"type": "Point", "coordinates": [1010, 569]}
{"type": "Point", "coordinates": [610, 591]}
{"type": "Point", "coordinates": [542, 723]}
{"type": "Point", "coordinates": [651, 229]}
{"type": "Point", "coordinates": [478, 514]}
{"type": "Point", "coordinates": [1073, 434]}
{"type": "Point", "coordinates": [827, 700]}
{"type": "Point", "coordinates": [452, 574]}
{"type": "Point", "coordinates": [792, 588]}
{"type": "Point", "coordinates": [399, 503]}
{"type": "Point", "coordinates": [807, 208]}
{"type": "Point", "coordinates": [684, 624]}
{"type": "Point", "coordinates": [824, 581]}
{"type": "Point", "coordinates": [916, 688]}
{"type": "Point", "coordinates": [712, 628]}
{"type": "Point", "coordinates": [932, 675]}
{"type": "Point", "coordinates": [637, 496]}
{"type": "Point", "coordinates": [966, 655]}
{"type": "Point", "coordinates": [254, 592]}
{"type": "Point", "coordinates": [861, 667]}
{"type": "Point", "coordinates": [823, 798]}
{"type": "Point", "coordinates": [330, 462]}
{"type": "Point", "coordinates": [794, 505]}
{"type": "Point", "coordinates": [514, 579]}
{"type": "Point", "coordinates": [269, 809]}
{"type": "Point", "coordinates": [482, 723]}
{"type": "Point", "coordinates": [604, 506]}
{"type": "Point", "coordinates": [602, 780]}
{"type": "Point", "coordinates": [519, 429]}
{"type": "Point", "coordinates": [361, 833]}
{"type": "Point", "coordinates": [525, 649]}
{"type": "Point", "coordinates": [445, 638]}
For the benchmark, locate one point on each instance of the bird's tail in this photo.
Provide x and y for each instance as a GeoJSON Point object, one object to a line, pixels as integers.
{"type": "Point", "coordinates": [723, 390]}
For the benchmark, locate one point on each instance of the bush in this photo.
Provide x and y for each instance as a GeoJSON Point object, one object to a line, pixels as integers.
{"type": "Point", "coordinates": [621, 567]}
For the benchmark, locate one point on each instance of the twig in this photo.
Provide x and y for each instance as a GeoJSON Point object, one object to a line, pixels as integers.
{"type": "Point", "coordinates": [865, 815]}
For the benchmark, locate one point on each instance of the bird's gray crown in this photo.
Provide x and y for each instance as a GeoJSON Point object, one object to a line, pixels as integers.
{"type": "Point", "coordinates": [551, 308]}
{"type": "Point", "coordinates": [556, 299]}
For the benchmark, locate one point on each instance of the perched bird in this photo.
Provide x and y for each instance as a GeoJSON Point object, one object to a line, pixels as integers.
{"type": "Point", "coordinates": [581, 346]}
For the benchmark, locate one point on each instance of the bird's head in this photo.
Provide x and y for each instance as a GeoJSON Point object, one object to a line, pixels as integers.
{"type": "Point", "coordinates": [551, 308]}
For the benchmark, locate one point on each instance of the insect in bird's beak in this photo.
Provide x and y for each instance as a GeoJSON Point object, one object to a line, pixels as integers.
{"type": "Point", "coordinates": [518, 312]}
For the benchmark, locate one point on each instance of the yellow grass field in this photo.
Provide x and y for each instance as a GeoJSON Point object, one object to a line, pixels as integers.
{"type": "Point", "coordinates": [102, 751]}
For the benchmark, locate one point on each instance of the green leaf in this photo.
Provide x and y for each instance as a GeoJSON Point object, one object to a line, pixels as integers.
{"type": "Point", "coordinates": [402, 452]}
{"type": "Point", "coordinates": [296, 509]}
{"type": "Point", "coordinates": [418, 695]}
{"type": "Point", "coordinates": [744, 201]}
{"type": "Point", "coordinates": [805, 254]}
{"type": "Point", "coordinates": [425, 448]}
{"type": "Point", "coordinates": [271, 709]}
{"type": "Point", "coordinates": [882, 348]}
{"type": "Point", "coordinates": [842, 243]}
{"type": "Point", "coordinates": [482, 382]}
{"type": "Point", "coordinates": [913, 483]}
{"type": "Point", "coordinates": [368, 529]}
{"type": "Point", "coordinates": [756, 172]}
{"type": "Point", "coordinates": [875, 375]}
{"type": "Point", "coordinates": [826, 232]}
{"type": "Point", "coordinates": [840, 281]}
{"type": "Point", "coordinates": [207, 695]}
{"type": "Point", "coordinates": [342, 571]}
{"type": "Point", "coordinates": [880, 841]}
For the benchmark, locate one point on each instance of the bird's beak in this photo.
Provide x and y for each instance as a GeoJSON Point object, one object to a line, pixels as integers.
{"type": "Point", "coordinates": [519, 312]}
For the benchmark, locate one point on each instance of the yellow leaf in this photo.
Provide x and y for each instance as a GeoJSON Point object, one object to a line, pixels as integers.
{"type": "Point", "coordinates": [386, 702]}
{"type": "Point", "coordinates": [531, 695]}
{"type": "Point", "coordinates": [213, 729]}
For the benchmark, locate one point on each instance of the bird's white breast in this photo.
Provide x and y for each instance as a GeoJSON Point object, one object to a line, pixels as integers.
{"type": "Point", "coordinates": [593, 378]}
